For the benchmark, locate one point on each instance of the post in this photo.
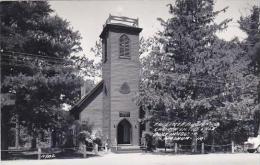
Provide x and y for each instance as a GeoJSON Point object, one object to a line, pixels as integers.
{"type": "Point", "coordinates": [213, 141]}
{"type": "Point", "coordinates": [50, 138]}
{"type": "Point", "coordinates": [17, 131]}
{"type": "Point", "coordinates": [84, 151]}
{"type": "Point", "coordinates": [202, 148]}
{"type": "Point", "coordinates": [194, 143]}
{"type": "Point", "coordinates": [95, 148]}
{"type": "Point", "coordinates": [175, 148]}
{"type": "Point", "coordinates": [165, 144]}
{"type": "Point", "coordinates": [145, 145]}
{"type": "Point", "coordinates": [232, 147]}
{"type": "Point", "coordinates": [39, 153]}
{"type": "Point", "coordinates": [106, 149]}
{"type": "Point", "coordinates": [116, 144]}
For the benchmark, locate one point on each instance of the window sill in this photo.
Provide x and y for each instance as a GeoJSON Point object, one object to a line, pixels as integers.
{"type": "Point", "coordinates": [124, 57]}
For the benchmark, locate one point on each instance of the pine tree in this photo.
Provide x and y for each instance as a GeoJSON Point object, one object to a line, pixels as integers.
{"type": "Point", "coordinates": [251, 25]}
{"type": "Point", "coordinates": [38, 66]}
{"type": "Point", "coordinates": [192, 75]}
{"type": "Point", "coordinates": [178, 58]}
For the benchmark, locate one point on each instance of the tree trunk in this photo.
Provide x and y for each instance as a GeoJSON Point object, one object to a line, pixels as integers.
{"type": "Point", "coordinates": [34, 140]}
{"type": "Point", "coordinates": [4, 139]}
{"type": "Point", "coordinates": [147, 122]}
{"type": "Point", "coordinates": [53, 139]}
{"type": "Point", "coordinates": [258, 129]}
{"type": "Point", "coordinates": [257, 122]}
{"type": "Point", "coordinates": [5, 128]}
{"type": "Point", "coordinates": [33, 143]}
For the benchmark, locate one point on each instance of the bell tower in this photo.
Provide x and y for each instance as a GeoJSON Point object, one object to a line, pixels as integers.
{"type": "Point", "coordinates": [120, 73]}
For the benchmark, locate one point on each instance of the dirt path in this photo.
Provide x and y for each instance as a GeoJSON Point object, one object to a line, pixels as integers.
{"type": "Point", "coordinates": [150, 159]}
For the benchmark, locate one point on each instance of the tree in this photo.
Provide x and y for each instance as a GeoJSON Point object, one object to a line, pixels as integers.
{"type": "Point", "coordinates": [39, 65]}
{"type": "Point", "coordinates": [192, 75]}
{"type": "Point", "coordinates": [36, 31]}
{"type": "Point", "coordinates": [97, 52]}
{"type": "Point", "coordinates": [251, 26]}
{"type": "Point", "coordinates": [178, 57]}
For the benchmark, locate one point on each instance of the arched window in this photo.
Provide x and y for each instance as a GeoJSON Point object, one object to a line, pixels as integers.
{"type": "Point", "coordinates": [124, 46]}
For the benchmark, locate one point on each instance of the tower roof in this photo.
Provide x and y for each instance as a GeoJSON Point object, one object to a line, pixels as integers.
{"type": "Point", "coordinates": [123, 20]}
{"type": "Point", "coordinates": [120, 24]}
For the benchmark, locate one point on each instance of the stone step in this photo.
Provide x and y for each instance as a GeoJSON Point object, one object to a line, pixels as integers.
{"type": "Point", "coordinates": [126, 149]}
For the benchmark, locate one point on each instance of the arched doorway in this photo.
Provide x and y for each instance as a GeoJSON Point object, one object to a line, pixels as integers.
{"type": "Point", "coordinates": [124, 132]}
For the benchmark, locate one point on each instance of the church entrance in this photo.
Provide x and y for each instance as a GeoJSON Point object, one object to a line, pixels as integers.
{"type": "Point", "coordinates": [124, 132]}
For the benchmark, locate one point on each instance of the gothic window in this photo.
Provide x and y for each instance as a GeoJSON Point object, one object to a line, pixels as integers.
{"type": "Point", "coordinates": [124, 46]}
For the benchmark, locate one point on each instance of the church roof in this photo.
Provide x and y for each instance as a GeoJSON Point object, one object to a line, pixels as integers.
{"type": "Point", "coordinates": [86, 100]}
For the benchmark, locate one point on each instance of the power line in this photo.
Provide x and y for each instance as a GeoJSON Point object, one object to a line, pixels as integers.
{"type": "Point", "coordinates": [24, 59]}
{"type": "Point", "coordinates": [32, 55]}
{"type": "Point", "coordinates": [20, 65]}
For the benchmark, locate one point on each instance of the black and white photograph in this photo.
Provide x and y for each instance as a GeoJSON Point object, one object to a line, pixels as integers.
{"type": "Point", "coordinates": [132, 82]}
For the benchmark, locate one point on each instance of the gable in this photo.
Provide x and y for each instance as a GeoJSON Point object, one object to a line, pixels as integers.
{"type": "Point", "coordinates": [86, 100]}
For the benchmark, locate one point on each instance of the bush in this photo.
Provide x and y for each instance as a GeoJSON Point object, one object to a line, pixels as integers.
{"type": "Point", "coordinates": [89, 144]}
{"type": "Point", "coordinates": [83, 135]}
{"type": "Point", "coordinates": [229, 130]}
{"type": "Point", "coordinates": [150, 142]}
{"type": "Point", "coordinates": [97, 136]}
{"type": "Point", "coordinates": [69, 142]}
{"type": "Point", "coordinates": [98, 141]}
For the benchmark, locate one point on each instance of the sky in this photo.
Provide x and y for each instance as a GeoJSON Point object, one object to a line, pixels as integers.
{"type": "Point", "coordinates": [89, 16]}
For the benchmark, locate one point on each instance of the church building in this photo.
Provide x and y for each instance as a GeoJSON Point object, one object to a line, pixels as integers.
{"type": "Point", "coordinates": [110, 105]}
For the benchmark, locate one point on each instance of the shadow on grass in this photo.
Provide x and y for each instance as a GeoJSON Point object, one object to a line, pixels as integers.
{"type": "Point", "coordinates": [171, 152]}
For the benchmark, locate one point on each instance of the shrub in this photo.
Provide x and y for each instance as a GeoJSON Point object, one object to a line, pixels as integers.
{"type": "Point", "coordinates": [98, 141]}
{"type": "Point", "coordinates": [150, 142]}
{"type": "Point", "coordinates": [97, 136]}
{"type": "Point", "coordinates": [83, 135]}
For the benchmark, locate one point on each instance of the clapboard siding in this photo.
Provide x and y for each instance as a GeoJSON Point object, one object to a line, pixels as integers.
{"type": "Point", "coordinates": [104, 111]}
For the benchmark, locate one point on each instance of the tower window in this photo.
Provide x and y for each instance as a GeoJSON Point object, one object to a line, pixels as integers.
{"type": "Point", "coordinates": [124, 46]}
{"type": "Point", "coordinates": [105, 50]}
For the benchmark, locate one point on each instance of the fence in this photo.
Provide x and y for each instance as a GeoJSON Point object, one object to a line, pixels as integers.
{"type": "Point", "coordinates": [50, 153]}
{"type": "Point", "coordinates": [201, 148]}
